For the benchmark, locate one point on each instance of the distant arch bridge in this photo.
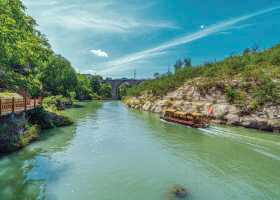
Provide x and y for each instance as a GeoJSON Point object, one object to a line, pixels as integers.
{"type": "Point", "coordinates": [116, 83]}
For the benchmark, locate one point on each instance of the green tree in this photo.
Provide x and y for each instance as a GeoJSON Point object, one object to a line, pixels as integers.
{"type": "Point", "coordinates": [105, 90]}
{"type": "Point", "coordinates": [122, 91]}
{"type": "Point", "coordinates": [83, 89]}
{"type": "Point", "coordinates": [156, 75]}
{"type": "Point", "coordinates": [23, 48]}
{"type": "Point", "coordinates": [95, 82]}
{"type": "Point", "coordinates": [178, 65]}
{"type": "Point", "coordinates": [187, 62]}
{"type": "Point", "coordinates": [58, 77]}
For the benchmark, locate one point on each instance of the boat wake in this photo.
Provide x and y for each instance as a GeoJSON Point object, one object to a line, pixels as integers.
{"type": "Point", "coordinates": [173, 123]}
{"type": "Point", "coordinates": [268, 154]}
{"type": "Point", "coordinates": [256, 144]}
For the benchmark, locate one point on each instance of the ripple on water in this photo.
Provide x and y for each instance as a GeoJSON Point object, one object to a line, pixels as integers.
{"type": "Point", "coordinates": [115, 153]}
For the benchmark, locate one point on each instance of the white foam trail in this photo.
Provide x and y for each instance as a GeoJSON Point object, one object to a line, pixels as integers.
{"type": "Point", "coordinates": [256, 146]}
{"type": "Point", "coordinates": [268, 154]}
{"type": "Point", "coordinates": [226, 133]}
{"type": "Point", "coordinates": [208, 131]}
{"type": "Point", "coordinates": [244, 139]}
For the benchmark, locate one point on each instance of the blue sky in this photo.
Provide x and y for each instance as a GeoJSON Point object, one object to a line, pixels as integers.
{"type": "Point", "coordinates": [115, 37]}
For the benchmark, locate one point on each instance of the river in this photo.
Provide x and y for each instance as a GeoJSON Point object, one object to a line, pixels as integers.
{"type": "Point", "coordinates": [113, 153]}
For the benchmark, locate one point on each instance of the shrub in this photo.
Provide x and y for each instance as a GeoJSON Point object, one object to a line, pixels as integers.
{"type": "Point", "coordinates": [55, 103]}
{"type": "Point", "coordinates": [31, 133]}
{"type": "Point", "coordinates": [235, 96]}
{"type": "Point", "coordinates": [231, 95]}
{"type": "Point", "coordinates": [267, 92]}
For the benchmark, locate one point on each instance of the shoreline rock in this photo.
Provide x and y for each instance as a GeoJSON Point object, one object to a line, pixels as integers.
{"type": "Point", "coordinates": [187, 98]}
{"type": "Point", "coordinates": [18, 130]}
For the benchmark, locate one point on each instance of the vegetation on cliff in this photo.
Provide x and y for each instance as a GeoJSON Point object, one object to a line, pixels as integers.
{"type": "Point", "coordinates": [16, 132]}
{"type": "Point", "coordinates": [251, 78]}
{"type": "Point", "coordinates": [46, 120]}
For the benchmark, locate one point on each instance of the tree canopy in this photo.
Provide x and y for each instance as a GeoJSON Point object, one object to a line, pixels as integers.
{"type": "Point", "coordinates": [27, 61]}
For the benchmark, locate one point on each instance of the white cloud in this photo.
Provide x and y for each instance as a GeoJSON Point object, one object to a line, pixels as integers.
{"type": "Point", "coordinates": [119, 64]}
{"type": "Point", "coordinates": [106, 24]}
{"type": "Point", "coordinates": [99, 53]}
{"type": "Point", "coordinates": [102, 16]}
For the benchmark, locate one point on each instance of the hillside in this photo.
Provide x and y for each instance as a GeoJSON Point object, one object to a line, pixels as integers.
{"type": "Point", "coordinates": [243, 90]}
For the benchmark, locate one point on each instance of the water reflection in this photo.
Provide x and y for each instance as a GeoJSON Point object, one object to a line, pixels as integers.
{"type": "Point", "coordinates": [116, 153]}
{"type": "Point", "coordinates": [26, 173]}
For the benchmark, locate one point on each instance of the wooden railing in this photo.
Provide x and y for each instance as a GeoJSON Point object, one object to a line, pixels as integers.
{"type": "Point", "coordinates": [15, 105]}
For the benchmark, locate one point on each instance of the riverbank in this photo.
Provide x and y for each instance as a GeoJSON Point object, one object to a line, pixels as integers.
{"type": "Point", "coordinates": [192, 97]}
{"type": "Point", "coordinates": [18, 130]}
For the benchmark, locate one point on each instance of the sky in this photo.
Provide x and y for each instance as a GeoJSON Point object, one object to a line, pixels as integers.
{"type": "Point", "coordinates": [114, 38]}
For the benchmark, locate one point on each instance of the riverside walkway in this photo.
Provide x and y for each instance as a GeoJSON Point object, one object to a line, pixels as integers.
{"type": "Point", "coordinates": [18, 105]}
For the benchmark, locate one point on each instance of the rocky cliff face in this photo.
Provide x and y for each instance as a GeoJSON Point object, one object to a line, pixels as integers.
{"type": "Point", "coordinates": [18, 130]}
{"type": "Point", "coordinates": [189, 98]}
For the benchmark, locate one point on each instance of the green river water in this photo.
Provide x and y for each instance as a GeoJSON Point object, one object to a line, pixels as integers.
{"type": "Point", "coordinates": [113, 153]}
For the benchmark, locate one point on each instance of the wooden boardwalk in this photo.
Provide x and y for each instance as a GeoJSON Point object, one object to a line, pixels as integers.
{"type": "Point", "coordinates": [13, 105]}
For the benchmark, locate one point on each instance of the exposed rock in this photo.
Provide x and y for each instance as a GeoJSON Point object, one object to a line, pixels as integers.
{"type": "Point", "coordinates": [179, 192]}
{"type": "Point", "coordinates": [187, 98]}
{"type": "Point", "coordinates": [16, 132]}
{"type": "Point", "coordinates": [220, 110]}
{"type": "Point", "coordinates": [48, 120]}
{"type": "Point", "coordinates": [275, 124]}
{"type": "Point", "coordinates": [147, 106]}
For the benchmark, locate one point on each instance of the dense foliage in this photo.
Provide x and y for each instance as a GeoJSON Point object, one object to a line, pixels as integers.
{"type": "Point", "coordinates": [122, 91]}
{"type": "Point", "coordinates": [24, 50]}
{"type": "Point", "coordinates": [29, 66]}
{"type": "Point", "coordinates": [56, 103]}
{"type": "Point", "coordinates": [101, 89]}
{"type": "Point", "coordinates": [58, 77]}
{"type": "Point", "coordinates": [83, 89]}
{"type": "Point", "coordinates": [256, 73]}
{"type": "Point", "coordinates": [27, 62]}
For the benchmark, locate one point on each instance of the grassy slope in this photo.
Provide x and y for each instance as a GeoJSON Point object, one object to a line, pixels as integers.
{"type": "Point", "coordinates": [257, 74]}
{"type": "Point", "coordinates": [9, 95]}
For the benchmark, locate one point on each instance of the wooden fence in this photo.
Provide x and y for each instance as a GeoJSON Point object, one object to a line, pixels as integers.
{"type": "Point", "coordinates": [15, 105]}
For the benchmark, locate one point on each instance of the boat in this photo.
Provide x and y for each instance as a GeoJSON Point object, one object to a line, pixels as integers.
{"type": "Point", "coordinates": [194, 120]}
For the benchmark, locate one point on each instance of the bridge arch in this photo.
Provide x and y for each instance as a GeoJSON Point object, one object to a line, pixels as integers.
{"type": "Point", "coordinates": [116, 83]}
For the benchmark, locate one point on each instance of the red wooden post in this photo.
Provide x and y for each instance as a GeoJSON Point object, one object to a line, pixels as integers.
{"type": "Point", "coordinates": [0, 106]}
{"type": "Point", "coordinates": [13, 105]}
{"type": "Point", "coordinates": [25, 103]}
